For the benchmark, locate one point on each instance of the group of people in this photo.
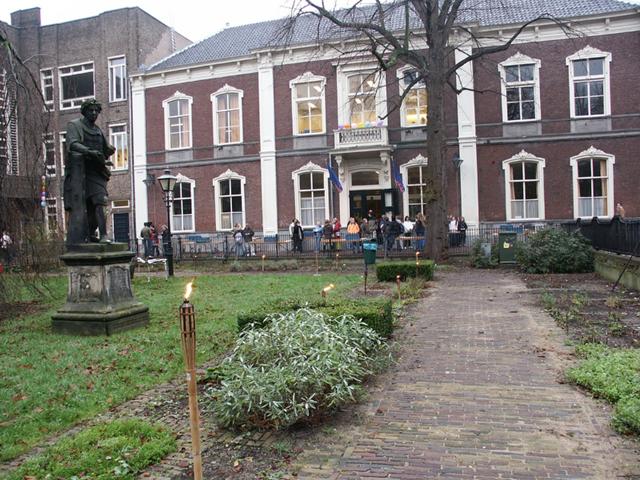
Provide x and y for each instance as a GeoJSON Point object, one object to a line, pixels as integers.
{"type": "Point", "coordinates": [243, 240]}
{"type": "Point", "coordinates": [151, 240]}
{"type": "Point", "coordinates": [457, 231]}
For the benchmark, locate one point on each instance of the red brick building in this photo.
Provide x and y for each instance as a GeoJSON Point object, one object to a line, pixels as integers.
{"type": "Point", "coordinates": [547, 131]}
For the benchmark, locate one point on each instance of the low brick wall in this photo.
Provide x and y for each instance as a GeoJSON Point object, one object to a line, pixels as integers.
{"type": "Point", "coordinates": [609, 265]}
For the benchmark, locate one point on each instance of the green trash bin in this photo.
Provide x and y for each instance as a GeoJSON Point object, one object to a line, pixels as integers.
{"type": "Point", "coordinates": [507, 246]}
{"type": "Point", "coordinates": [369, 250]}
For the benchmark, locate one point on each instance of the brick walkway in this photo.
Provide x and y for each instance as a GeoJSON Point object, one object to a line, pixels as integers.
{"type": "Point", "coordinates": [475, 395]}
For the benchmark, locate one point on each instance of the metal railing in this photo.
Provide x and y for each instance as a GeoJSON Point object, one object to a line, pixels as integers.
{"type": "Point", "coordinates": [356, 137]}
{"type": "Point", "coordinates": [616, 235]}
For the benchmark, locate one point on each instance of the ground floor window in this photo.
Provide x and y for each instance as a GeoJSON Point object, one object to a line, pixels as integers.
{"type": "Point", "coordinates": [311, 194]}
{"type": "Point", "coordinates": [524, 187]}
{"type": "Point", "coordinates": [182, 215]}
{"type": "Point", "coordinates": [229, 193]}
{"type": "Point", "coordinates": [593, 184]}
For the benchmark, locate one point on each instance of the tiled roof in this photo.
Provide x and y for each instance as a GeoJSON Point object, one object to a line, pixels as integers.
{"type": "Point", "coordinates": [240, 41]}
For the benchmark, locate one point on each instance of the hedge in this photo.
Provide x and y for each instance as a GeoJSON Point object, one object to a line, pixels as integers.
{"type": "Point", "coordinates": [387, 272]}
{"type": "Point", "coordinates": [376, 313]}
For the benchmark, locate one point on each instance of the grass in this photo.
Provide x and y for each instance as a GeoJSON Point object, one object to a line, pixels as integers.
{"type": "Point", "coordinates": [51, 381]}
{"type": "Point", "coordinates": [119, 449]}
{"type": "Point", "coordinates": [612, 374]}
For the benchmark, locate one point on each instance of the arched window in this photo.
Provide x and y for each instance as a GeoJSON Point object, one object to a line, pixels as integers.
{"type": "Point", "coordinates": [229, 195]}
{"type": "Point", "coordinates": [589, 79]}
{"type": "Point", "coordinates": [308, 107]}
{"type": "Point", "coordinates": [415, 195]}
{"type": "Point", "coordinates": [520, 83]}
{"type": "Point", "coordinates": [524, 187]}
{"type": "Point", "coordinates": [592, 183]}
{"type": "Point", "coordinates": [227, 115]}
{"type": "Point", "coordinates": [182, 215]}
{"type": "Point", "coordinates": [177, 121]}
{"type": "Point", "coordinates": [311, 194]}
{"type": "Point", "coordinates": [413, 112]}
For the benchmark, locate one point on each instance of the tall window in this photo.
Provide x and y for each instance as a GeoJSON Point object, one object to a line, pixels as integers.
{"type": "Point", "coordinates": [307, 97]}
{"type": "Point", "coordinates": [520, 82]}
{"type": "Point", "coordinates": [117, 79]}
{"type": "Point", "coordinates": [48, 150]}
{"type": "Point", "coordinates": [416, 186]}
{"type": "Point", "coordinates": [230, 210]}
{"type": "Point", "coordinates": [63, 147]}
{"type": "Point", "coordinates": [362, 99]}
{"type": "Point", "coordinates": [8, 127]}
{"type": "Point", "coordinates": [593, 183]}
{"type": "Point", "coordinates": [46, 81]}
{"type": "Point", "coordinates": [76, 84]}
{"type": "Point", "coordinates": [524, 189]}
{"type": "Point", "coordinates": [52, 215]}
{"type": "Point", "coordinates": [227, 116]}
{"type": "Point", "coordinates": [311, 192]}
{"type": "Point", "coordinates": [414, 106]}
{"type": "Point", "coordinates": [589, 83]}
{"type": "Point", "coordinates": [182, 217]}
{"type": "Point", "coordinates": [177, 120]}
{"type": "Point", "coordinates": [118, 138]}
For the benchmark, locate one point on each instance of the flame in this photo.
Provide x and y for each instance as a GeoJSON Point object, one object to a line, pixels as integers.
{"type": "Point", "coordinates": [328, 287]}
{"type": "Point", "coordinates": [188, 290]}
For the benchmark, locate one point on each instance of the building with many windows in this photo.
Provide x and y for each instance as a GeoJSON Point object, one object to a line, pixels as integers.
{"type": "Point", "coordinates": [546, 131]}
{"type": "Point", "coordinates": [75, 61]}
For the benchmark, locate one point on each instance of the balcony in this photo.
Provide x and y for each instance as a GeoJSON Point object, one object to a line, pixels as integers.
{"type": "Point", "coordinates": [349, 138]}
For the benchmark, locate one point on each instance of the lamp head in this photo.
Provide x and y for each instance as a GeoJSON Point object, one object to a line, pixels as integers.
{"type": "Point", "coordinates": [167, 181]}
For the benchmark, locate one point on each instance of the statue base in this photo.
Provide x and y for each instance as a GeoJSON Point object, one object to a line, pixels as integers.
{"type": "Point", "coordinates": [99, 299]}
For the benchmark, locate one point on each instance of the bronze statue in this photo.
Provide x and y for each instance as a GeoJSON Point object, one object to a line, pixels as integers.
{"type": "Point", "coordinates": [86, 176]}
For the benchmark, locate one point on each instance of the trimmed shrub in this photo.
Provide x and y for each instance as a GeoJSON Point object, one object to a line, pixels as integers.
{"type": "Point", "coordinates": [300, 365]}
{"type": "Point", "coordinates": [387, 272]}
{"type": "Point", "coordinates": [376, 313]}
{"type": "Point", "coordinates": [478, 259]}
{"type": "Point", "coordinates": [555, 251]}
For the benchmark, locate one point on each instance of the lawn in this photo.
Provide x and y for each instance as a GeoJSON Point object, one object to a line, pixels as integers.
{"type": "Point", "coordinates": [52, 381]}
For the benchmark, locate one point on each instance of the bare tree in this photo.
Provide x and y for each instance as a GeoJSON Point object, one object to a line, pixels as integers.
{"type": "Point", "coordinates": [436, 38]}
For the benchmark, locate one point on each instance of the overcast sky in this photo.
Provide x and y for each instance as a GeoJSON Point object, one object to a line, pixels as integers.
{"type": "Point", "coordinates": [195, 19]}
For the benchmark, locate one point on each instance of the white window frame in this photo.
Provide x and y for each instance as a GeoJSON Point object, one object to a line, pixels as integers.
{"type": "Point", "coordinates": [403, 108]}
{"type": "Point", "coordinates": [506, 166]}
{"type": "Point", "coordinates": [588, 53]}
{"type": "Point", "coordinates": [113, 78]}
{"type": "Point", "coordinates": [46, 74]}
{"type": "Point", "coordinates": [167, 120]}
{"type": "Point", "coordinates": [226, 90]}
{"type": "Point", "coordinates": [51, 202]}
{"type": "Point", "coordinates": [295, 176]}
{"type": "Point", "coordinates": [417, 161]}
{"type": "Point", "coordinates": [120, 204]}
{"type": "Point", "coordinates": [62, 138]}
{"type": "Point", "coordinates": [228, 175]}
{"type": "Point", "coordinates": [590, 153]}
{"type": "Point", "coordinates": [68, 104]}
{"type": "Point", "coordinates": [520, 59]}
{"type": "Point", "coordinates": [342, 76]}
{"type": "Point", "coordinates": [8, 127]}
{"type": "Point", "coordinates": [48, 145]}
{"type": "Point", "coordinates": [113, 141]}
{"type": "Point", "coordinates": [183, 179]}
{"type": "Point", "coordinates": [306, 78]}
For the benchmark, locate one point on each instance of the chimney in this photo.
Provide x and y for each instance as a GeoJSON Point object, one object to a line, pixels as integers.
{"type": "Point", "coordinates": [29, 17]}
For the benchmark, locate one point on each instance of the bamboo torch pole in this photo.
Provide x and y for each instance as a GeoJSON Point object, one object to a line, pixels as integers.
{"type": "Point", "coordinates": [188, 329]}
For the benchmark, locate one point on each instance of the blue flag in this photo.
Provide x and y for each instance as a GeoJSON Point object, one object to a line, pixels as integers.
{"type": "Point", "coordinates": [397, 176]}
{"type": "Point", "coordinates": [334, 178]}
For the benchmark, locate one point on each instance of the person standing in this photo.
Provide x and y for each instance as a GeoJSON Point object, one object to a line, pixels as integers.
{"type": "Point", "coordinates": [365, 229]}
{"type": "Point", "coordinates": [462, 228]}
{"type": "Point", "coordinates": [392, 230]}
{"type": "Point", "coordinates": [620, 210]}
{"type": "Point", "coordinates": [337, 226]}
{"type": "Point", "coordinates": [298, 236]}
{"type": "Point", "coordinates": [238, 240]}
{"type": "Point", "coordinates": [420, 230]}
{"type": "Point", "coordinates": [145, 234]}
{"type": "Point", "coordinates": [353, 235]}
{"type": "Point", "coordinates": [327, 235]}
{"type": "Point", "coordinates": [317, 235]}
{"type": "Point", "coordinates": [248, 234]}
{"type": "Point", "coordinates": [5, 246]}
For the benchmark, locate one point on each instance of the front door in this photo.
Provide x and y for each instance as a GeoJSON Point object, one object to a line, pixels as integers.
{"type": "Point", "coordinates": [121, 227]}
{"type": "Point", "coordinates": [364, 200]}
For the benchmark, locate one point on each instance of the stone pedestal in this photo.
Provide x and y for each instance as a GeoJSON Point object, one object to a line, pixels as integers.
{"type": "Point", "coordinates": [99, 299]}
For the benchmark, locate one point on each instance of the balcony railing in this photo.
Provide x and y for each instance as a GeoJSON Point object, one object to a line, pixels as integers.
{"type": "Point", "coordinates": [361, 137]}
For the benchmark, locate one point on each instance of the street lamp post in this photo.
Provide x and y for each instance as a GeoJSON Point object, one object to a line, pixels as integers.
{"type": "Point", "coordinates": [457, 162]}
{"type": "Point", "coordinates": [167, 182]}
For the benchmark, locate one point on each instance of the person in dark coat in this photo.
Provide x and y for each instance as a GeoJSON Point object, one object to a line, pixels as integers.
{"type": "Point", "coordinates": [298, 236]}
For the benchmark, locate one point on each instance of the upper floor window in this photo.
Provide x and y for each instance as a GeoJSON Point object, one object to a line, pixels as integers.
{"type": "Point", "coordinates": [117, 79]}
{"type": "Point", "coordinates": [593, 183]}
{"type": "Point", "coordinates": [311, 194]}
{"type": "Point", "coordinates": [118, 138]}
{"type": "Point", "coordinates": [76, 84]}
{"type": "Point", "coordinates": [52, 215]}
{"type": "Point", "coordinates": [46, 82]}
{"type": "Point", "coordinates": [48, 149]}
{"type": "Point", "coordinates": [589, 83]}
{"type": "Point", "coordinates": [8, 127]}
{"type": "Point", "coordinates": [227, 115]}
{"type": "Point", "coordinates": [362, 99]}
{"type": "Point", "coordinates": [413, 111]}
{"type": "Point", "coordinates": [182, 206]}
{"type": "Point", "coordinates": [520, 83]}
{"type": "Point", "coordinates": [524, 187]}
{"type": "Point", "coordinates": [230, 211]}
{"type": "Point", "coordinates": [177, 121]}
{"type": "Point", "coordinates": [307, 97]}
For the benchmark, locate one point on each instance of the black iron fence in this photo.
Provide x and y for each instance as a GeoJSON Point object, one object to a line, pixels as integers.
{"type": "Point", "coordinates": [616, 235]}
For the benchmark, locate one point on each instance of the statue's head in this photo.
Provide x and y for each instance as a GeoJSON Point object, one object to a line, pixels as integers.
{"type": "Point", "coordinates": [92, 102]}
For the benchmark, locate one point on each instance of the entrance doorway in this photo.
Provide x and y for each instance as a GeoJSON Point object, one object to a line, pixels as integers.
{"type": "Point", "coordinates": [363, 201]}
{"type": "Point", "coordinates": [121, 227]}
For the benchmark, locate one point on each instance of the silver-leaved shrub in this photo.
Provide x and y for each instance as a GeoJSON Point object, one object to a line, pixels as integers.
{"type": "Point", "coordinates": [301, 365]}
